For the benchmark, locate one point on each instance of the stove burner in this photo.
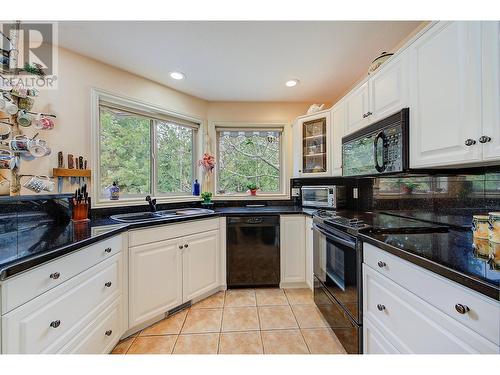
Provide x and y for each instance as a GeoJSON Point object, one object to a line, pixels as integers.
{"type": "Point", "coordinates": [325, 213]}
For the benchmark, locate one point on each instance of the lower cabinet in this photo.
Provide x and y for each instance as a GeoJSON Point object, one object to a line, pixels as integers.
{"type": "Point", "coordinates": [398, 317]}
{"type": "Point", "coordinates": [165, 274]}
{"type": "Point", "coordinates": [309, 252]}
{"type": "Point", "coordinates": [155, 280]}
{"type": "Point", "coordinates": [292, 250]}
{"type": "Point", "coordinates": [200, 264]}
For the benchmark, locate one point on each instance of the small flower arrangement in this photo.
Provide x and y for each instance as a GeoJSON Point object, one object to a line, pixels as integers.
{"type": "Point", "coordinates": [206, 196]}
{"type": "Point", "coordinates": [207, 162]}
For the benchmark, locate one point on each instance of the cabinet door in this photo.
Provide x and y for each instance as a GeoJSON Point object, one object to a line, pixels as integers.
{"type": "Point", "coordinates": [374, 341]}
{"type": "Point", "coordinates": [309, 251]}
{"type": "Point", "coordinates": [292, 249]}
{"type": "Point", "coordinates": [357, 106]}
{"type": "Point", "coordinates": [491, 90]}
{"type": "Point", "coordinates": [315, 145]}
{"type": "Point", "coordinates": [389, 88]}
{"type": "Point", "coordinates": [338, 123]}
{"type": "Point", "coordinates": [445, 95]}
{"type": "Point", "coordinates": [200, 263]}
{"type": "Point", "coordinates": [155, 281]}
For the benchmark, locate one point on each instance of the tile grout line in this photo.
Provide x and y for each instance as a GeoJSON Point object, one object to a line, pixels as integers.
{"type": "Point", "coordinates": [260, 326]}
{"type": "Point", "coordinates": [180, 331]}
{"type": "Point", "coordinates": [300, 330]}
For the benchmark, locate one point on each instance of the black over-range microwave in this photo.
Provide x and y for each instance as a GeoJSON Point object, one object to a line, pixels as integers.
{"type": "Point", "coordinates": [381, 148]}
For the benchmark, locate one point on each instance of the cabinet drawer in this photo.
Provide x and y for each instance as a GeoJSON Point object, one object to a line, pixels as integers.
{"type": "Point", "coordinates": [30, 284]}
{"type": "Point", "coordinates": [411, 324]}
{"type": "Point", "coordinates": [46, 323]}
{"type": "Point", "coordinates": [169, 231]}
{"type": "Point", "coordinates": [101, 335]}
{"type": "Point", "coordinates": [439, 292]}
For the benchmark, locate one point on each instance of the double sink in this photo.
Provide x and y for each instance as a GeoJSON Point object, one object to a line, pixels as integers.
{"type": "Point", "coordinates": [138, 217]}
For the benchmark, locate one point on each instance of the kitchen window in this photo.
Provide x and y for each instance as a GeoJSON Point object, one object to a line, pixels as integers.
{"type": "Point", "coordinates": [252, 155]}
{"type": "Point", "coordinates": [146, 151]}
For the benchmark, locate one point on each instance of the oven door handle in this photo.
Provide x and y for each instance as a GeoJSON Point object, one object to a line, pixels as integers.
{"type": "Point", "coordinates": [328, 234]}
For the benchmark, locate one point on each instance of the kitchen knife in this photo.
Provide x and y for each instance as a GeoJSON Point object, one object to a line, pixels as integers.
{"type": "Point", "coordinates": [80, 166]}
{"type": "Point", "coordinates": [60, 164]}
{"type": "Point", "coordinates": [71, 166]}
{"type": "Point", "coordinates": [77, 179]}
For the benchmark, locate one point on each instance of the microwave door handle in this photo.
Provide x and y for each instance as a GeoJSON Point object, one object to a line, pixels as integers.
{"type": "Point", "coordinates": [378, 167]}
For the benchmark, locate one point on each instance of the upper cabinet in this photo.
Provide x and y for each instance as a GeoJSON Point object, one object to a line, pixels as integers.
{"type": "Point", "coordinates": [389, 88]}
{"type": "Point", "coordinates": [445, 95]}
{"type": "Point", "coordinates": [381, 95]}
{"type": "Point", "coordinates": [357, 107]}
{"type": "Point", "coordinates": [338, 124]}
{"type": "Point", "coordinates": [490, 135]}
{"type": "Point", "coordinates": [313, 141]}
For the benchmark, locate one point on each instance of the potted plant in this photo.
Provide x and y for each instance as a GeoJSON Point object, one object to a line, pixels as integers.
{"type": "Point", "coordinates": [253, 188]}
{"type": "Point", "coordinates": [206, 197]}
{"type": "Point", "coordinates": [409, 187]}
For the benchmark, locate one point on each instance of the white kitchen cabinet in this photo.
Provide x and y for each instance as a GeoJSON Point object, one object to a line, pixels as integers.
{"type": "Point", "coordinates": [292, 250]}
{"type": "Point", "coordinates": [491, 90]}
{"type": "Point", "coordinates": [397, 304]}
{"type": "Point", "coordinates": [309, 251]}
{"type": "Point", "coordinates": [200, 264]}
{"type": "Point", "coordinates": [374, 341]}
{"type": "Point", "coordinates": [338, 124]}
{"type": "Point", "coordinates": [155, 280]}
{"type": "Point", "coordinates": [357, 107]}
{"type": "Point", "coordinates": [312, 145]}
{"type": "Point", "coordinates": [389, 88]}
{"type": "Point", "coordinates": [445, 95]}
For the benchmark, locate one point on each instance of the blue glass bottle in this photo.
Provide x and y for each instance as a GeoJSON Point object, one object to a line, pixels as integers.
{"type": "Point", "coordinates": [196, 187]}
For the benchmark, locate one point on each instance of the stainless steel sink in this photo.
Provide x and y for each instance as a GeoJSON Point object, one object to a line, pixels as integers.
{"type": "Point", "coordinates": [138, 217]}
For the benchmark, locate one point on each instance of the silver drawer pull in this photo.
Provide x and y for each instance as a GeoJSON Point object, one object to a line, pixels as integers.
{"type": "Point", "coordinates": [186, 245]}
{"type": "Point", "coordinates": [380, 307]}
{"type": "Point", "coordinates": [381, 264]}
{"type": "Point", "coordinates": [462, 309]}
{"type": "Point", "coordinates": [108, 284]}
{"type": "Point", "coordinates": [55, 275]}
{"type": "Point", "coordinates": [107, 250]}
{"type": "Point", "coordinates": [55, 323]}
{"type": "Point", "coordinates": [108, 332]}
{"type": "Point", "coordinates": [180, 246]}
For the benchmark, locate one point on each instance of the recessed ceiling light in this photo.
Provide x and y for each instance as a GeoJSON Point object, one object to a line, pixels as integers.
{"type": "Point", "coordinates": [292, 83]}
{"type": "Point", "coordinates": [177, 75]}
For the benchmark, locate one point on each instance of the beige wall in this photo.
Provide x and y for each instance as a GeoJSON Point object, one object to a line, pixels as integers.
{"type": "Point", "coordinates": [71, 102]}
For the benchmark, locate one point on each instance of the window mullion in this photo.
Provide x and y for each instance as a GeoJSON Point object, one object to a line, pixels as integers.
{"type": "Point", "coordinates": [154, 158]}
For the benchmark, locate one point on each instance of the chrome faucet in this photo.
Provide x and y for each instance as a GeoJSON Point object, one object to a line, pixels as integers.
{"type": "Point", "coordinates": [152, 203]}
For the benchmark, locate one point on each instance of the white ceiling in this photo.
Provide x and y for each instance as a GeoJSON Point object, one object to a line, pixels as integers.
{"type": "Point", "coordinates": [240, 61]}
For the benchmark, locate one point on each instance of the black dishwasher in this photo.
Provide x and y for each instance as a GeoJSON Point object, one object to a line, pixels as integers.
{"type": "Point", "coordinates": [253, 251]}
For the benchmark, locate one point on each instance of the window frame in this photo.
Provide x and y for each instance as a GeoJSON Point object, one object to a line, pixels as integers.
{"type": "Point", "coordinates": [155, 114]}
{"type": "Point", "coordinates": [284, 168]}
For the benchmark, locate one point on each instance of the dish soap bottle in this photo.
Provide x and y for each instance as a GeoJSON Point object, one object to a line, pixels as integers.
{"type": "Point", "coordinates": [114, 192]}
{"type": "Point", "coordinates": [196, 187]}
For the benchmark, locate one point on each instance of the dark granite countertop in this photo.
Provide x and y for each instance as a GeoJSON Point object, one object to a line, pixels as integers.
{"type": "Point", "coordinates": [38, 240]}
{"type": "Point", "coordinates": [449, 254]}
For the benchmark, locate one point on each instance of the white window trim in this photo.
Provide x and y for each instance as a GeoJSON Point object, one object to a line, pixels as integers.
{"type": "Point", "coordinates": [285, 174]}
{"type": "Point", "coordinates": [97, 95]}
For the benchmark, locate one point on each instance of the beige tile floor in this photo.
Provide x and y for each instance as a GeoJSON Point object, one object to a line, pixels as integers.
{"type": "Point", "coordinates": [240, 321]}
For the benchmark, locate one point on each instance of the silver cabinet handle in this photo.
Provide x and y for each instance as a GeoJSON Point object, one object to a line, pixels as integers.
{"type": "Point", "coordinates": [381, 264]}
{"type": "Point", "coordinates": [484, 139]}
{"type": "Point", "coordinates": [55, 275]}
{"type": "Point", "coordinates": [107, 250]}
{"type": "Point", "coordinates": [470, 142]}
{"type": "Point", "coordinates": [462, 309]}
{"type": "Point", "coordinates": [186, 246]}
{"type": "Point", "coordinates": [108, 284]}
{"type": "Point", "coordinates": [368, 113]}
{"type": "Point", "coordinates": [55, 323]}
{"type": "Point", "coordinates": [180, 247]}
{"type": "Point", "coordinates": [108, 332]}
{"type": "Point", "coordinates": [365, 115]}
{"type": "Point", "coordinates": [380, 307]}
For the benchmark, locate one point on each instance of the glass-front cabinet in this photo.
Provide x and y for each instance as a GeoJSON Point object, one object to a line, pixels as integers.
{"type": "Point", "coordinates": [313, 145]}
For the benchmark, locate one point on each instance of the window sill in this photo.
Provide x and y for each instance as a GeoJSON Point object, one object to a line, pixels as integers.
{"type": "Point", "coordinates": [142, 202]}
{"type": "Point", "coordinates": [240, 197]}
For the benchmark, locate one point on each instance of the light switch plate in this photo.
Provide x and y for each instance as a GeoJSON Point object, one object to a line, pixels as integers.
{"type": "Point", "coordinates": [295, 192]}
{"type": "Point", "coordinates": [355, 193]}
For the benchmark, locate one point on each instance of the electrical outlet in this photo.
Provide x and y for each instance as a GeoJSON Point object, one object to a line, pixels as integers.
{"type": "Point", "coordinates": [295, 192]}
{"type": "Point", "coordinates": [355, 193]}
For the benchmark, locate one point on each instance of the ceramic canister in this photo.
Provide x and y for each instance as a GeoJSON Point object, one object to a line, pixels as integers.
{"type": "Point", "coordinates": [482, 247]}
{"type": "Point", "coordinates": [494, 227]}
{"type": "Point", "coordinates": [480, 226]}
{"type": "Point", "coordinates": [495, 254]}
